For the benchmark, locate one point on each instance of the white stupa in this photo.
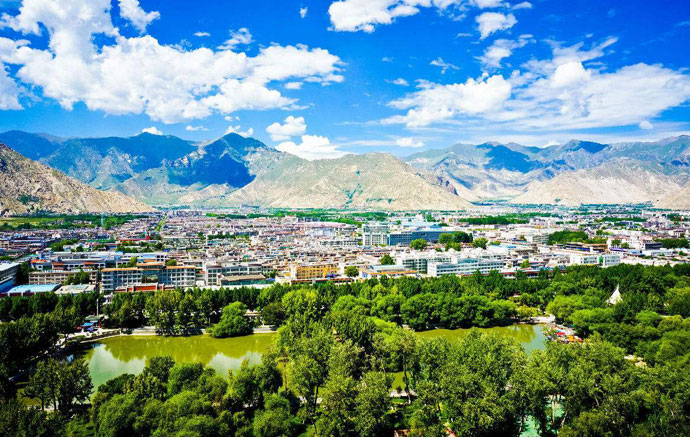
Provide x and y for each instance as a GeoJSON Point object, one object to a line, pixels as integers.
{"type": "Point", "coordinates": [615, 297]}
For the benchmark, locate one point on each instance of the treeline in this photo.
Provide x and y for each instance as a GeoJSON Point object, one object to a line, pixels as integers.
{"type": "Point", "coordinates": [32, 325]}
{"type": "Point", "coordinates": [447, 302]}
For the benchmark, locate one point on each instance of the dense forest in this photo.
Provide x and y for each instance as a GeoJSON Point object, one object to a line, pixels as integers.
{"type": "Point", "coordinates": [330, 371]}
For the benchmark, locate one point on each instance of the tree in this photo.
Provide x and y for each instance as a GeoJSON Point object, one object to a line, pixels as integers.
{"type": "Point", "coordinates": [275, 420]}
{"type": "Point", "coordinates": [373, 402]}
{"type": "Point", "coordinates": [273, 314]}
{"type": "Point", "coordinates": [418, 244]}
{"type": "Point", "coordinates": [74, 384]}
{"type": "Point", "coordinates": [43, 384]}
{"type": "Point", "coordinates": [233, 322]}
{"type": "Point", "coordinates": [351, 271]}
{"type": "Point", "coordinates": [387, 260]}
{"type": "Point", "coordinates": [480, 242]}
{"type": "Point", "coordinates": [171, 262]}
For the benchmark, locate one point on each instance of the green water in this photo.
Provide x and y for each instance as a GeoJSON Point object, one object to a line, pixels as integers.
{"type": "Point", "coordinates": [111, 357]}
{"type": "Point", "coordinates": [530, 337]}
{"type": "Point", "coordinates": [114, 356]}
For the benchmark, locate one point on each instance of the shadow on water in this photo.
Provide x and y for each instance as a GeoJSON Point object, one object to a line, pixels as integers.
{"type": "Point", "coordinates": [114, 356]}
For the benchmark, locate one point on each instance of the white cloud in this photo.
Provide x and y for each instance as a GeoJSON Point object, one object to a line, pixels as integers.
{"type": "Point", "coordinates": [202, 34]}
{"type": "Point", "coordinates": [9, 91]}
{"type": "Point", "coordinates": [565, 92]}
{"type": "Point", "coordinates": [192, 128]}
{"type": "Point", "coordinates": [491, 22]}
{"type": "Point", "coordinates": [238, 130]}
{"type": "Point", "coordinates": [239, 37]}
{"type": "Point", "coordinates": [445, 66]}
{"type": "Point", "coordinates": [312, 147]}
{"type": "Point", "coordinates": [131, 10]}
{"type": "Point", "coordinates": [365, 15]}
{"type": "Point", "coordinates": [399, 81]}
{"type": "Point", "coordinates": [153, 130]}
{"type": "Point", "coordinates": [408, 142]}
{"type": "Point", "coordinates": [646, 125]}
{"type": "Point", "coordinates": [523, 5]}
{"type": "Point", "coordinates": [386, 59]}
{"type": "Point", "coordinates": [434, 102]}
{"type": "Point", "coordinates": [292, 127]}
{"type": "Point", "coordinates": [488, 4]}
{"type": "Point", "coordinates": [501, 49]}
{"type": "Point", "coordinates": [293, 85]}
{"type": "Point", "coordinates": [303, 11]}
{"type": "Point", "coordinates": [138, 75]}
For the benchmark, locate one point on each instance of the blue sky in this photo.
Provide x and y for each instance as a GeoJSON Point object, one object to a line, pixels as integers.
{"type": "Point", "coordinates": [322, 78]}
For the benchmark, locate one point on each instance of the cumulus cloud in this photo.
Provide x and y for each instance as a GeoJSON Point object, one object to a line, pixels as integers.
{"type": "Point", "coordinates": [202, 34]}
{"type": "Point", "coordinates": [523, 5]}
{"type": "Point", "coordinates": [138, 75]}
{"type": "Point", "coordinates": [303, 11]}
{"type": "Point", "coordinates": [408, 142]}
{"type": "Point", "coordinates": [238, 130]}
{"type": "Point", "coordinates": [292, 126]}
{"type": "Point", "coordinates": [293, 85]}
{"type": "Point", "coordinates": [9, 91]}
{"type": "Point", "coordinates": [365, 15]}
{"type": "Point", "coordinates": [153, 130]}
{"type": "Point", "coordinates": [486, 4]}
{"type": "Point", "coordinates": [445, 66]}
{"type": "Point", "coordinates": [492, 22]}
{"type": "Point", "coordinates": [131, 10]}
{"type": "Point", "coordinates": [192, 128]}
{"type": "Point", "coordinates": [501, 49]}
{"type": "Point", "coordinates": [311, 148]}
{"type": "Point", "coordinates": [239, 37]}
{"type": "Point", "coordinates": [565, 92]}
{"type": "Point", "coordinates": [646, 125]}
{"type": "Point", "coordinates": [435, 102]}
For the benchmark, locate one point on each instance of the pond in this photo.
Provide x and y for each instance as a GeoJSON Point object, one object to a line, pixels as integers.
{"type": "Point", "coordinates": [114, 356]}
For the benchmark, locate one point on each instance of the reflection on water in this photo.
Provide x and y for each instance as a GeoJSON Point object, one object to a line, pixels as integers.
{"type": "Point", "coordinates": [530, 337]}
{"type": "Point", "coordinates": [114, 356]}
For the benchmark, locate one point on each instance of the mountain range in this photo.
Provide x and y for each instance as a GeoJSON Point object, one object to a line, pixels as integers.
{"type": "Point", "coordinates": [233, 170]}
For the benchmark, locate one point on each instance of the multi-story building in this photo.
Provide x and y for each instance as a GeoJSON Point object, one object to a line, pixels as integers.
{"type": "Point", "coordinates": [419, 262]}
{"type": "Point", "coordinates": [8, 271]}
{"type": "Point", "coordinates": [374, 234]}
{"type": "Point", "coordinates": [148, 273]}
{"type": "Point", "coordinates": [216, 273]}
{"type": "Point", "coordinates": [313, 271]}
{"type": "Point", "coordinates": [406, 237]}
{"type": "Point", "coordinates": [465, 266]}
{"type": "Point", "coordinates": [58, 276]}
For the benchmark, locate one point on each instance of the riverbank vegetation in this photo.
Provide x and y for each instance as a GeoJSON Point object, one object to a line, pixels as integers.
{"type": "Point", "coordinates": [330, 370]}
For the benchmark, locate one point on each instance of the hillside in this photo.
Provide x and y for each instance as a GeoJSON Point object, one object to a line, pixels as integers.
{"type": "Point", "coordinates": [377, 180]}
{"type": "Point", "coordinates": [678, 199]}
{"type": "Point", "coordinates": [618, 181]}
{"type": "Point", "coordinates": [28, 186]}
